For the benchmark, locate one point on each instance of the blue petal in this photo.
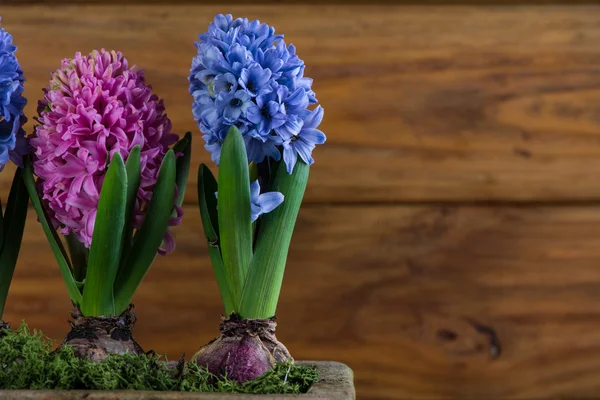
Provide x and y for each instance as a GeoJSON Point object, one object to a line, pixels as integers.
{"type": "Point", "coordinates": [255, 192]}
{"type": "Point", "coordinates": [231, 114]}
{"type": "Point", "coordinates": [253, 114]}
{"type": "Point", "coordinates": [269, 201]}
{"type": "Point", "coordinates": [292, 127]}
{"type": "Point", "coordinates": [242, 95]}
{"type": "Point", "coordinates": [255, 212]}
{"type": "Point", "coordinates": [264, 127]}
{"type": "Point", "coordinates": [22, 148]}
{"type": "Point", "coordinates": [3, 157]}
{"type": "Point", "coordinates": [272, 107]}
{"type": "Point", "coordinates": [262, 76]}
{"type": "Point", "coordinates": [254, 149]}
{"type": "Point", "coordinates": [298, 100]}
{"type": "Point", "coordinates": [222, 21]}
{"type": "Point", "coordinates": [262, 100]}
{"type": "Point", "coordinates": [245, 106]}
{"type": "Point", "coordinates": [289, 157]}
{"type": "Point", "coordinates": [236, 53]}
{"type": "Point", "coordinates": [222, 100]}
{"type": "Point", "coordinates": [313, 136]}
{"type": "Point", "coordinates": [270, 150]}
{"type": "Point", "coordinates": [313, 119]}
{"type": "Point", "coordinates": [278, 120]}
{"type": "Point", "coordinates": [244, 77]}
{"type": "Point", "coordinates": [304, 150]}
{"type": "Point", "coordinates": [205, 76]}
{"type": "Point", "coordinates": [272, 61]}
{"type": "Point", "coordinates": [225, 83]}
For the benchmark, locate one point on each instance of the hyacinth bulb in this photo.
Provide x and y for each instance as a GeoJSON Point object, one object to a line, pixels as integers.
{"type": "Point", "coordinates": [245, 349]}
{"type": "Point", "coordinates": [96, 106]}
{"type": "Point", "coordinates": [97, 337]}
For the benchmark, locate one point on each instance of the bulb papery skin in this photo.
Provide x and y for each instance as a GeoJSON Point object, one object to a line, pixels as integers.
{"type": "Point", "coordinates": [94, 107]}
{"type": "Point", "coordinates": [97, 337]}
{"type": "Point", "coordinates": [246, 349]}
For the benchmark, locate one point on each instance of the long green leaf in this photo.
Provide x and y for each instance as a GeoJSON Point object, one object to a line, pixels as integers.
{"type": "Point", "coordinates": [149, 237]}
{"type": "Point", "coordinates": [132, 167]}
{"type": "Point", "coordinates": [263, 285]}
{"type": "Point", "coordinates": [184, 146]}
{"type": "Point", "coordinates": [234, 212]}
{"type": "Point", "coordinates": [78, 254]}
{"type": "Point", "coordinates": [207, 186]}
{"type": "Point", "coordinates": [105, 251]}
{"type": "Point", "coordinates": [2, 222]}
{"type": "Point", "coordinates": [13, 226]}
{"type": "Point", "coordinates": [182, 168]}
{"type": "Point", "coordinates": [51, 235]}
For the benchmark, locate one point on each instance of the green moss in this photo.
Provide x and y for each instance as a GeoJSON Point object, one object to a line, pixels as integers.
{"type": "Point", "coordinates": [28, 362]}
{"type": "Point", "coordinates": [284, 378]}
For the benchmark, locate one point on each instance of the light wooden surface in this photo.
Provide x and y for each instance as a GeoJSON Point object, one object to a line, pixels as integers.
{"type": "Point", "coordinates": [449, 244]}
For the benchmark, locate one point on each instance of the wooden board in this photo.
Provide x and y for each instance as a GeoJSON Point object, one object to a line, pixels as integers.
{"type": "Point", "coordinates": [312, 2]}
{"type": "Point", "coordinates": [421, 301]}
{"type": "Point", "coordinates": [426, 103]}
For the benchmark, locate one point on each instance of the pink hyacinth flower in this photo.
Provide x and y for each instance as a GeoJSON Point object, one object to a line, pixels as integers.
{"type": "Point", "coordinates": [94, 107]}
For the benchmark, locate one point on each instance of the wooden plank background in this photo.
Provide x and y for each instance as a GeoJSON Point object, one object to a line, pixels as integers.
{"type": "Point", "coordinates": [449, 244]}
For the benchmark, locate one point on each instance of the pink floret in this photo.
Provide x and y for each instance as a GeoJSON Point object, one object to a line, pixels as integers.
{"type": "Point", "coordinates": [95, 106]}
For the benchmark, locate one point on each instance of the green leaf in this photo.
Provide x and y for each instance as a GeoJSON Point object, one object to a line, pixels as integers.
{"type": "Point", "coordinates": [234, 212]}
{"type": "Point", "coordinates": [78, 253]}
{"type": "Point", "coordinates": [207, 186]}
{"type": "Point", "coordinates": [263, 285]}
{"type": "Point", "coordinates": [132, 167]}
{"type": "Point", "coordinates": [105, 251]}
{"type": "Point", "coordinates": [149, 237]}
{"type": "Point", "coordinates": [53, 239]}
{"type": "Point", "coordinates": [182, 169]}
{"type": "Point", "coordinates": [253, 171]}
{"type": "Point", "coordinates": [12, 227]}
{"type": "Point", "coordinates": [184, 146]}
{"type": "Point", "coordinates": [2, 223]}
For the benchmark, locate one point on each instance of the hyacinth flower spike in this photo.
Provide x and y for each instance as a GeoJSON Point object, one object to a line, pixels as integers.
{"type": "Point", "coordinates": [111, 178]}
{"type": "Point", "coordinates": [255, 109]}
{"type": "Point", "coordinates": [12, 148]}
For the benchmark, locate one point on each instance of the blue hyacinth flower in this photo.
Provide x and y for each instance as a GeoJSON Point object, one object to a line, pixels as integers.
{"type": "Point", "coordinates": [269, 112]}
{"type": "Point", "coordinates": [12, 137]}
{"type": "Point", "coordinates": [232, 106]}
{"type": "Point", "coordinates": [263, 203]}
{"type": "Point", "coordinates": [255, 80]}
{"type": "Point", "coordinates": [246, 75]}
{"type": "Point", "coordinates": [263, 146]}
{"type": "Point", "coordinates": [305, 141]}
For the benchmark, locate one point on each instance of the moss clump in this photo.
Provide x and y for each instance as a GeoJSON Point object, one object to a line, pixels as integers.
{"type": "Point", "coordinates": [28, 362]}
{"type": "Point", "coordinates": [284, 378]}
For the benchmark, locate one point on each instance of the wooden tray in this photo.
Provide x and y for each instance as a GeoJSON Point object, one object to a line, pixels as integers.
{"type": "Point", "coordinates": [336, 382]}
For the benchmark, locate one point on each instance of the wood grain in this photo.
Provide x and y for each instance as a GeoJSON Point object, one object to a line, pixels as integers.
{"type": "Point", "coordinates": [421, 301]}
{"type": "Point", "coordinates": [444, 105]}
{"type": "Point", "coordinates": [308, 2]}
{"type": "Point", "coordinates": [438, 103]}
